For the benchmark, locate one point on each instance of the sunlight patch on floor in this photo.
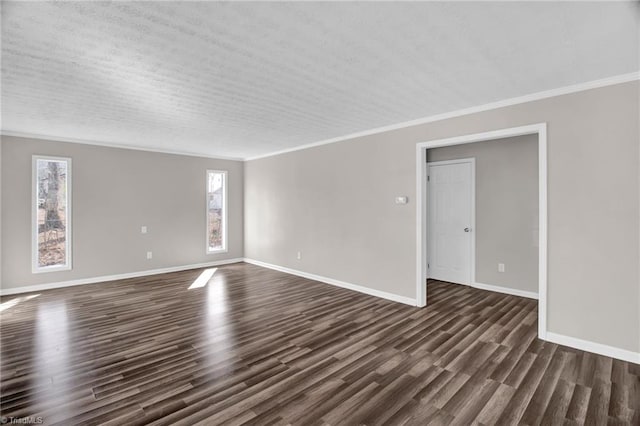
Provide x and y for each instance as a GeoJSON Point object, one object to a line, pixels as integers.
{"type": "Point", "coordinates": [204, 278]}
{"type": "Point", "coordinates": [13, 302]}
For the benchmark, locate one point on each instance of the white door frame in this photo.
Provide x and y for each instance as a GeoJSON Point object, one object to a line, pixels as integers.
{"type": "Point", "coordinates": [472, 225]}
{"type": "Point", "coordinates": [539, 129]}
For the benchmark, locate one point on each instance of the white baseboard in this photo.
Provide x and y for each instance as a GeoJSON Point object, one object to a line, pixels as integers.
{"type": "Point", "coordinates": [573, 342]}
{"type": "Point", "coordinates": [95, 280]}
{"type": "Point", "coordinates": [596, 348]}
{"type": "Point", "coordinates": [337, 283]}
{"type": "Point", "coordinates": [506, 290]}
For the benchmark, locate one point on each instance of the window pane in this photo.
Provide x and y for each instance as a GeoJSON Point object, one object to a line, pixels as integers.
{"type": "Point", "coordinates": [215, 210]}
{"type": "Point", "coordinates": [52, 208]}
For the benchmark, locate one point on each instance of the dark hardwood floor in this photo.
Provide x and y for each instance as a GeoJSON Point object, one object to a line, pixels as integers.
{"type": "Point", "coordinates": [262, 347]}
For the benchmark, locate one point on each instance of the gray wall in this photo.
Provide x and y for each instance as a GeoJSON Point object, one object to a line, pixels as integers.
{"type": "Point", "coordinates": [1, 213]}
{"type": "Point", "coordinates": [115, 192]}
{"type": "Point", "coordinates": [335, 203]}
{"type": "Point", "coordinates": [506, 208]}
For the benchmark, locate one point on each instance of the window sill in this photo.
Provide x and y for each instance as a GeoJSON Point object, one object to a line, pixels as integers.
{"type": "Point", "coordinates": [50, 269]}
{"type": "Point", "coordinates": [217, 251]}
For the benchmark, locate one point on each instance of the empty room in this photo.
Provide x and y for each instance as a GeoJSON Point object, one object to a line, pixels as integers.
{"type": "Point", "coordinates": [320, 213]}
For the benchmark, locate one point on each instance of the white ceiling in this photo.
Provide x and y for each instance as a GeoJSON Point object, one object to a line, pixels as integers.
{"type": "Point", "coordinates": [245, 79]}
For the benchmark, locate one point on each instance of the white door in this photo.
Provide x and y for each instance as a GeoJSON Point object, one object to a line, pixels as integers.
{"type": "Point", "coordinates": [450, 208]}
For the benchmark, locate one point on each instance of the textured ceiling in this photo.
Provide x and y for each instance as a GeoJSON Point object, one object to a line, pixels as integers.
{"type": "Point", "coordinates": [244, 79]}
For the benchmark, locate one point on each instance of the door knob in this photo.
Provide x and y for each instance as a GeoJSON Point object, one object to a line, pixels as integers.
{"type": "Point", "coordinates": [467, 229]}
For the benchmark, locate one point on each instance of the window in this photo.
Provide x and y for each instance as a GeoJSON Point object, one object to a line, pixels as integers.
{"type": "Point", "coordinates": [51, 214]}
{"type": "Point", "coordinates": [216, 211]}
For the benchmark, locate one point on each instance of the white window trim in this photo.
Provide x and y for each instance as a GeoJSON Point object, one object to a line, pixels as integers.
{"type": "Point", "coordinates": [224, 248]}
{"type": "Point", "coordinates": [34, 217]}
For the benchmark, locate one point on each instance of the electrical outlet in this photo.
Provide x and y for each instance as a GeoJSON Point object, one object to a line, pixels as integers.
{"type": "Point", "coordinates": [149, 255]}
{"type": "Point", "coordinates": [500, 267]}
{"type": "Point", "coordinates": [299, 256]}
{"type": "Point", "coordinates": [402, 200]}
{"type": "Point", "coordinates": [143, 229]}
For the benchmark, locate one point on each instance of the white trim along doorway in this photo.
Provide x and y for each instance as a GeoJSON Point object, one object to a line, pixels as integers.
{"type": "Point", "coordinates": [540, 130]}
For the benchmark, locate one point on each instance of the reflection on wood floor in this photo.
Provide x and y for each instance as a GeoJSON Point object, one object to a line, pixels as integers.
{"type": "Point", "coordinates": [262, 347]}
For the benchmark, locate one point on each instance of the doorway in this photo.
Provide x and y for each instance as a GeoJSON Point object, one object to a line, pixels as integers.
{"type": "Point", "coordinates": [422, 250]}
{"type": "Point", "coordinates": [451, 220]}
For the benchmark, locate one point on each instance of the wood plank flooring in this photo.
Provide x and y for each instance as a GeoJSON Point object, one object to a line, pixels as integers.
{"type": "Point", "coordinates": [261, 347]}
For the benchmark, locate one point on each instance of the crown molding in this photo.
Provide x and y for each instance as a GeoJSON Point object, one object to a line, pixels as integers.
{"type": "Point", "coordinates": [18, 134]}
{"type": "Point", "coordinates": [594, 84]}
